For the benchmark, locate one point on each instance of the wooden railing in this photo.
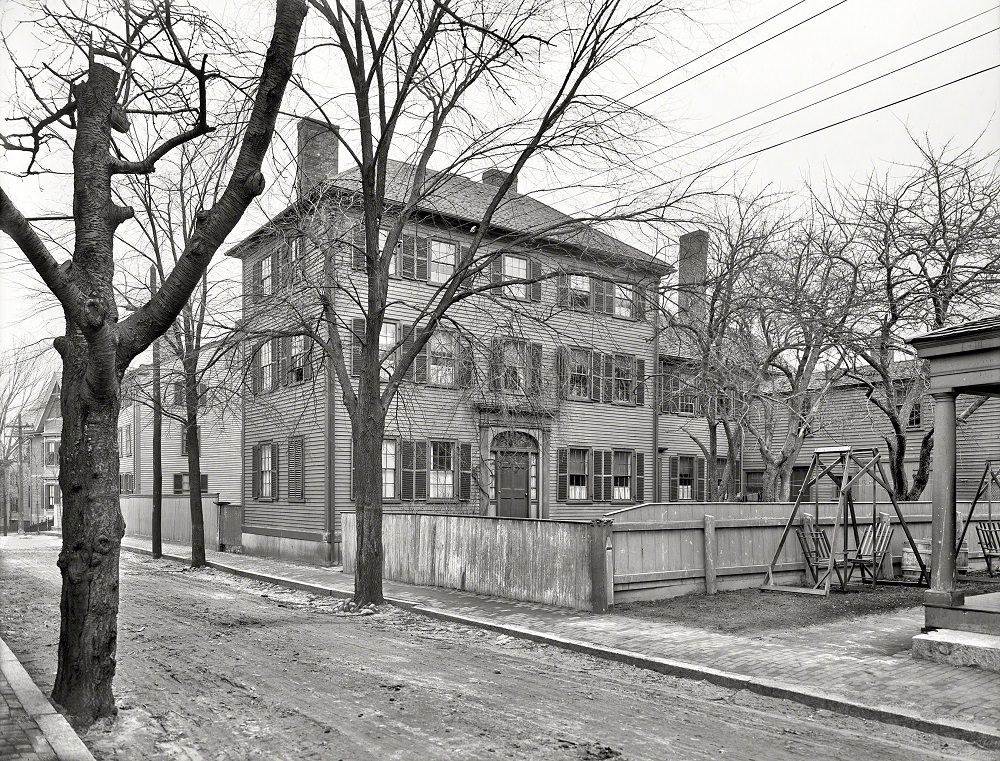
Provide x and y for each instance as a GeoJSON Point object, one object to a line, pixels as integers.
{"type": "Point", "coordinates": [565, 563]}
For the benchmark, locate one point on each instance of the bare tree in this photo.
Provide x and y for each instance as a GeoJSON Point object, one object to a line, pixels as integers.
{"type": "Point", "coordinates": [20, 374]}
{"type": "Point", "coordinates": [137, 61]}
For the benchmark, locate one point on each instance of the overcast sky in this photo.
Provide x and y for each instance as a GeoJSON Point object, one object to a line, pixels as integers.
{"type": "Point", "coordinates": [847, 35]}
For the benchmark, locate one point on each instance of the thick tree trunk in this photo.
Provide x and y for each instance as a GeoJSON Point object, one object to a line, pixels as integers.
{"type": "Point", "coordinates": [157, 527]}
{"type": "Point", "coordinates": [368, 432]}
{"type": "Point", "coordinates": [92, 531]}
{"type": "Point", "coordinates": [194, 477]}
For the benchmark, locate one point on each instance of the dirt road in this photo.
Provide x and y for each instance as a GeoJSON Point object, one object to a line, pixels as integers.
{"type": "Point", "coordinates": [215, 667]}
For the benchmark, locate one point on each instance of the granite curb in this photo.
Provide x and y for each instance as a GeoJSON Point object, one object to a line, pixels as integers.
{"type": "Point", "coordinates": [66, 744]}
{"type": "Point", "coordinates": [982, 735]}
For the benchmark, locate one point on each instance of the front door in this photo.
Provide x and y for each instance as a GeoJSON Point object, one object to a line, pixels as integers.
{"type": "Point", "coordinates": [512, 484]}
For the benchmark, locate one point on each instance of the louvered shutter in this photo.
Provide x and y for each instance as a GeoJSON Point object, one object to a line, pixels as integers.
{"type": "Point", "coordinates": [422, 253]}
{"type": "Point", "coordinates": [359, 258]}
{"type": "Point", "coordinates": [178, 393]}
{"type": "Point", "coordinates": [562, 371]}
{"type": "Point", "coordinates": [640, 477]}
{"type": "Point", "coordinates": [255, 478]}
{"type": "Point", "coordinates": [562, 290]}
{"type": "Point", "coordinates": [256, 275]}
{"type": "Point", "coordinates": [675, 466]}
{"type": "Point", "coordinates": [420, 470]}
{"type": "Point", "coordinates": [609, 476]}
{"type": "Point", "coordinates": [256, 372]}
{"type": "Point", "coordinates": [465, 472]}
{"type": "Point", "coordinates": [204, 483]}
{"type": "Point", "coordinates": [296, 487]}
{"type": "Point", "coordinates": [535, 368]}
{"type": "Point", "coordinates": [285, 359]}
{"type": "Point", "coordinates": [596, 375]}
{"type": "Point", "coordinates": [496, 270]}
{"type": "Point", "coordinates": [420, 361]}
{"type": "Point", "coordinates": [307, 368]}
{"type": "Point", "coordinates": [408, 257]}
{"type": "Point", "coordinates": [609, 378]}
{"type": "Point", "coordinates": [535, 287]}
{"type": "Point", "coordinates": [562, 475]}
{"type": "Point", "coordinates": [597, 294]}
{"type": "Point", "coordinates": [699, 479]}
{"type": "Point", "coordinates": [275, 362]}
{"type": "Point", "coordinates": [357, 341]}
{"type": "Point", "coordinates": [640, 382]}
{"type": "Point", "coordinates": [406, 468]}
{"type": "Point", "coordinates": [466, 363]}
{"type": "Point", "coordinates": [496, 364]}
{"type": "Point", "coordinates": [639, 303]}
{"type": "Point", "coordinates": [274, 470]}
{"type": "Point", "coordinates": [178, 483]}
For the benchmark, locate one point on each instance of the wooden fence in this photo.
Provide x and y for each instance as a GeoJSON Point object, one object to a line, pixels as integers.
{"type": "Point", "coordinates": [565, 563]}
{"type": "Point", "coordinates": [175, 520]}
{"type": "Point", "coordinates": [663, 550]}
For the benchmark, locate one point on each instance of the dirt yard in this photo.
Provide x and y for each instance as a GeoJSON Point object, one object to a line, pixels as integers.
{"type": "Point", "coordinates": [215, 667]}
{"type": "Point", "coordinates": [750, 611]}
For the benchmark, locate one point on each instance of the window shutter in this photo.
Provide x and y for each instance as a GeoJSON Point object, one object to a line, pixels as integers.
{"type": "Point", "coordinates": [562, 475]}
{"type": "Point", "coordinates": [256, 372]}
{"type": "Point", "coordinates": [285, 262]}
{"type": "Point", "coordinates": [699, 479]}
{"type": "Point", "coordinates": [639, 303]}
{"type": "Point", "coordinates": [597, 375]}
{"type": "Point", "coordinates": [307, 369]}
{"type": "Point", "coordinates": [562, 371]}
{"type": "Point", "coordinates": [296, 487]}
{"type": "Point", "coordinates": [466, 364]}
{"type": "Point", "coordinates": [178, 393]}
{"type": "Point", "coordinates": [422, 252]}
{"type": "Point", "coordinates": [285, 359]}
{"type": "Point", "coordinates": [640, 382]}
{"type": "Point", "coordinates": [275, 363]}
{"type": "Point", "coordinates": [640, 477]}
{"type": "Point", "coordinates": [359, 257]}
{"type": "Point", "coordinates": [609, 476]}
{"type": "Point", "coordinates": [562, 290]}
{"type": "Point", "coordinates": [274, 470]}
{"type": "Point", "coordinates": [202, 402]}
{"type": "Point", "coordinates": [354, 470]}
{"type": "Point", "coordinates": [465, 472]}
{"type": "Point", "coordinates": [535, 368]}
{"type": "Point", "coordinates": [255, 464]}
{"type": "Point", "coordinates": [178, 483]}
{"type": "Point", "coordinates": [357, 341]}
{"type": "Point", "coordinates": [535, 287]}
{"type": "Point", "coordinates": [406, 468]}
{"type": "Point", "coordinates": [609, 378]}
{"type": "Point", "coordinates": [420, 361]}
{"type": "Point", "coordinates": [408, 258]}
{"type": "Point", "coordinates": [204, 483]}
{"type": "Point", "coordinates": [598, 476]}
{"type": "Point", "coordinates": [420, 470]}
{"type": "Point", "coordinates": [496, 364]}
{"type": "Point", "coordinates": [275, 269]}
{"type": "Point", "coordinates": [58, 493]}
{"type": "Point", "coordinates": [675, 466]}
{"type": "Point", "coordinates": [597, 294]}
{"type": "Point", "coordinates": [256, 275]}
{"type": "Point", "coordinates": [496, 270]}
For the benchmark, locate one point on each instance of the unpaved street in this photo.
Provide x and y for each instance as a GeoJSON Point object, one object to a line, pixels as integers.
{"type": "Point", "coordinates": [214, 667]}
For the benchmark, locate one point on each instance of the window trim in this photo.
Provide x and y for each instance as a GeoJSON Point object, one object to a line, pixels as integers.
{"type": "Point", "coordinates": [588, 464]}
{"type": "Point", "coordinates": [508, 290]}
{"type": "Point", "coordinates": [628, 299]}
{"type": "Point", "coordinates": [453, 470]}
{"type": "Point", "coordinates": [455, 358]}
{"type": "Point", "coordinates": [629, 399]}
{"type": "Point", "coordinates": [431, 261]}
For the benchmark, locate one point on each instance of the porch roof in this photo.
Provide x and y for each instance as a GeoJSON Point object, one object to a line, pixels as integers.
{"type": "Point", "coordinates": [963, 358]}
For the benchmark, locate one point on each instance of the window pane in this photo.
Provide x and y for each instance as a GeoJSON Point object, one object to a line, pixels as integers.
{"type": "Point", "coordinates": [623, 377]}
{"type": "Point", "coordinates": [622, 471]}
{"type": "Point", "coordinates": [516, 268]}
{"type": "Point", "coordinates": [442, 349]}
{"type": "Point", "coordinates": [265, 470]}
{"type": "Point", "coordinates": [387, 338]}
{"type": "Point", "coordinates": [579, 291]}
{"type": "Point", "coordinates": [388, 469]}
{"type": "Point", "coordinates": [442, 264]}
{"type": "Point", "coordinates": [441, 483]}
{"type": "Point", "coordinates": [579, 373]}
{"type": "Point", "coordinates": [579, 462]}
{"type": "Point", "coordinates": [266, 361]}
{"type": "Point", "coordinates": [515, 366]}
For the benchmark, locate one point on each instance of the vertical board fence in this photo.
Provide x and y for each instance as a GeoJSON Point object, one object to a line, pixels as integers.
{"type": "Point", "coordinates": [137, 509]}
{"type": "Point", "coordinates": [564, 563]}
{"type": "Point", "coordinates": [663, 550]}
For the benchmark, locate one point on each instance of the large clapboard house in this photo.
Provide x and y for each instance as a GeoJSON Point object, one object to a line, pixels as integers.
{"type": "Point", "coordinates": [532, 402]}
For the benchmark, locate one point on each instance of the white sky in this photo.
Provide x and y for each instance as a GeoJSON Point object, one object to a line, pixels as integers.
{"type": "Point", "coordinates": [846, 36]}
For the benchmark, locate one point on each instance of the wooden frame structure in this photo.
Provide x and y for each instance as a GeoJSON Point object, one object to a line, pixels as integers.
{"type": "Point", "coordinates": [991, 476]}
{"type": "Point", "coordinates": [836, 464]}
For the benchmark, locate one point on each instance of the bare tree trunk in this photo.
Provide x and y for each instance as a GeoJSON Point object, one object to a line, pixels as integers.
{"type": "Point", "coordinates": [368, 432]}
{"type": "Point", "coordinates": [157, 528]}
{"type": "Point", "coordinates": [194, 467]}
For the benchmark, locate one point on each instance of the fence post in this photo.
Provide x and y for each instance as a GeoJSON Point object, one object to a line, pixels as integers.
{"type": "Point", "coordinates": [709, 534]}
{"type": "Point", "coordinates": [602, 567]}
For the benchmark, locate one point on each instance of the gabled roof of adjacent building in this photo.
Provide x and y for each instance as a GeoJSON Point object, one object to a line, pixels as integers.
{"type": "Point", "coordinates": [459, 199]}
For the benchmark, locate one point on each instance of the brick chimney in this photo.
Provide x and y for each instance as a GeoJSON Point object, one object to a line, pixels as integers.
{"type": "Point", "coordinates": [496, 178]}
{"type": "Point", "coordinates": [316, 160]}
{"type": "Point", "coordinates": [692, 268]}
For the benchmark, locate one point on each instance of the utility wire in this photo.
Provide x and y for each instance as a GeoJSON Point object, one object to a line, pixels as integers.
{"type": "Point", "coordinates": [830, 79]}
{"type": "Point", "coordinates": [816, 102]}
{"type": "Point", "coordinates": [710, 51]}
{"type": "Point", "coordinates": [735, 56]}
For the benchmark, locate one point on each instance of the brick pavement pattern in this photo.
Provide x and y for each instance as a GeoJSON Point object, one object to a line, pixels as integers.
{"type": "Point", "coordinates": [20, 735]}
{"type": "Point", "coordinates": [862, 662]}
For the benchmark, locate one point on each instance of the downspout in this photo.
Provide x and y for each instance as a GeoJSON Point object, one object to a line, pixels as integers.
{"type": "Point", "coordinates": [656, 400]}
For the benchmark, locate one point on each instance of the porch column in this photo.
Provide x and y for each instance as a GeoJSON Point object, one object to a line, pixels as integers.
{"type": "Point", "coordinates": [942, 592]}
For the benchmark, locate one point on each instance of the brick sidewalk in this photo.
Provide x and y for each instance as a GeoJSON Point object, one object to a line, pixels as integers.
{"type": "Point", "coordinates": [30, 728]}
{"type": "Point", "coordinates": [862, 666]}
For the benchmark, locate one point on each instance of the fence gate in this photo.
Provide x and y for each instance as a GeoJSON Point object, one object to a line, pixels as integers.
{"type": "Point", "coordinates": [230, 527]}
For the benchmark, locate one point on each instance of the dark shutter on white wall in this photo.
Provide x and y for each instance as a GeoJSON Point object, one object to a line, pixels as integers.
{"type": "Point", "coordinates": [420, 470]}
{"type": "Point", "coordinates": [596, 375]}
{"type": "Point", "coordinates": [408, 257]}
{"type": "Point", "coordinates": [423, 251]}
{"type": "Point", "coordinates": [359, 258]}
{"type": "Point", "coordinates": [256, 275]}
{"type": "Point", "coordinates": [406, 468]}
{"type": "Point", "coordinates": [465, 472]}
{"type": "Point", "coordinates": [609, 378]}
{"type": "Point", "coordinates": [466, 364]}
{"type": "Point", "coordinates": [534, 368]}
{"type": "Point", "coordinates": [640, 477]}
{"type": "Point", "coordinates": [639, 303]}
{"type": "Point", "coordinates": [255, 466]}
{"type": "Point", "coordinates": [674, 477]}
{"type": "Point", "coordinates": [275, 362]}
{"type": "Point", "coordinates": [699, 479]}
{"type": "Point", "coordinates": [562, 372]}
{"type": "Point", "coordinates": [562, 475]}
{"type": "Point", "coordinates": [178, 483]}
{"type": "Point", "coordinates": [296, 485]}
{"type": "Point", "coordinates": [420, 361]}
{"type": "Point", "coordinates": [535, 288]}
{"type": "Point", "coordinates": [495, 364]}
{"type": "Point", "coordinates": [640, 382]}
{"type": "Point", "coordinates": [496, 270]}
{"type": "Point", "coordinates": [274, 470]}
{"type": "Point", "coordinates": [357, 341]}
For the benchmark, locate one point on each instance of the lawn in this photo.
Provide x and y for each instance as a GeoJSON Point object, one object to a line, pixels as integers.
{"type": "Point", "coordinates": [750, 610]}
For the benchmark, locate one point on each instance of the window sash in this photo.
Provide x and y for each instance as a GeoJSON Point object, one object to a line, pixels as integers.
{"type": "Point", "coordinates": [389, 469]}
{"type": "Point", "coordinates": [266, 487]}
{"type": "Point", "coordinates": [514, 371]}
{"type": "Point", "coordinates": [388, 338]}
{"type": "Point", "coordinates": [624, 378]}
{"type": "Point", "coordinates": [623, 300]}
{"type": "Point", "coordinates": [383, 237]}
{"type": "Point", "coordinates": [579, 373]}
{"type": "Point", "coordinates": [441, 257]}
{"type": "Point", "coordinates": [578, 474]}
{"type": "Point", "coordinates": [443, 353]}
{"type": "Point", "coordinates": [441, 471]}
{"type": "Point", "coordinates": [266, 365]}
{"type": "Point", "coordinates": [515, 268]}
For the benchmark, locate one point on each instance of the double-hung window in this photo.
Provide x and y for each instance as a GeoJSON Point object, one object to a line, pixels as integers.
{"type": "Point", "coordinates": [579, 291]}
{"type": "Point", "coordinates": [442, 257]}
{"type": "Point", "coordinates": [685, 478]}
{"type": "Point", "coordinates": [442, 351]}
{"type": "Point", "coordinates": [266, 366]}
{"type": "Point", "coordinates": [579, 373]}
{"type": "Point", "coordinates": [388, 338]}
{"type": "Point", "coordinates": [184, 438]}
{"type": "Point", "coordinates": [389, 469]}
{"type": "Point", "coordinates": [514, 366]}
{"type": "Point", "coordinates": [383, 237]}
{"type": "Point", "coordinates": [51, 452]}
{"type": "Point", "coordinates": [266, 284]}
{"type": "Point", "coordinates": [622, 475]}
{"type": "Point", "coordinates": [441, 474]}
{"type": "Point", "coordinates": [297, 359]}
{"type": "Point", "coordinates": [266, 473]}
{"type": "Point", "coordinates": [515, 268]}
{"type": "Point", "coordinates": [579, 474]}
{"type": "Point", "coordinates": [623, 300]}
{"type": "Point", "coordinates": [624, 377]}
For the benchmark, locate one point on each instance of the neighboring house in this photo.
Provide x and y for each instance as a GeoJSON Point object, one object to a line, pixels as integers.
{"type": "Point", "coordinates": [44, 495]}
{"type": "Point", "coordinates": [846, 417]}
{"type": "Point", "coordinates": [219, 430]}
{"type": "Point", "coordinates": [534, 402]}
